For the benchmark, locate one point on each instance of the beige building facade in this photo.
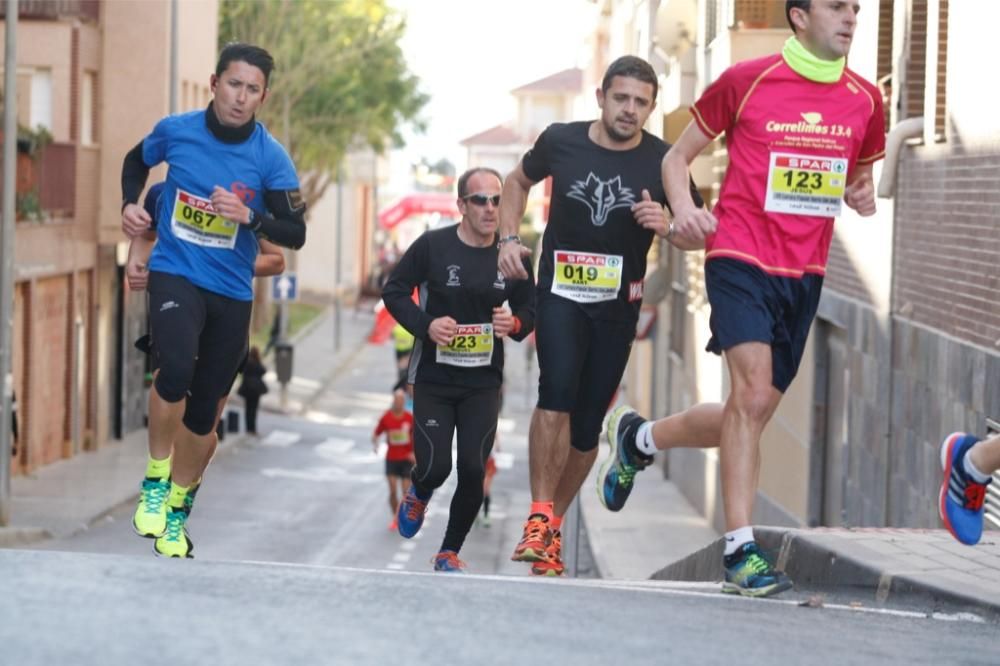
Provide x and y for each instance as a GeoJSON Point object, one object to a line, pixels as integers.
{"type": "Point", "coordinates": [94, 76]}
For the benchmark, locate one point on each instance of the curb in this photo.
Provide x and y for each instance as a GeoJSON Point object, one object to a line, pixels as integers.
{"type": "Point", "coordinates": [814, 565]}
{"type": "Point", "coordinates": [15, 537]}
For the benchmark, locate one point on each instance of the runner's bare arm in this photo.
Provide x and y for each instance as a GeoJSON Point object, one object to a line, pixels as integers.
{"type": "Point", "coordinates": [270, 260]}
{"type": "Point", "coordinates": [860, 192]}
{"type": "Point", "coordinates": [137, 265]}
{"type": "Point", "coordinates": [691, 223]}
{"type": "Point", "coordinates": [513, 203]}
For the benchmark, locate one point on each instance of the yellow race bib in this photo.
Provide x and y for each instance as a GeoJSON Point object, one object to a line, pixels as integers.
{"type": "Point", "coordinates": [804, 185]}
{"type": "Point", "coordinates": [472, 347]}
{"type": "Point", "coordinates": [587, 277]}
{"type": "Point", "coordinates": [195, 221]}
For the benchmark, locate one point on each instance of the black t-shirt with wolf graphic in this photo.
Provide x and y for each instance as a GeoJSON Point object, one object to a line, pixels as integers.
{"type": "Point", "coordinates": [593, 251]}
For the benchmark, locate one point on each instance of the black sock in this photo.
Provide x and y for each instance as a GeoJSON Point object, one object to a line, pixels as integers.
{"type": "Point", "coordinates": [486, 505]}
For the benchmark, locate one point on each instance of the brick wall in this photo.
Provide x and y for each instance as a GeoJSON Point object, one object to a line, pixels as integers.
{"type": "Point", "coordinates": [947, 248]}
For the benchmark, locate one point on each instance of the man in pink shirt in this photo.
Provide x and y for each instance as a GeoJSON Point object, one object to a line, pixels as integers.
{"type": "Point", "coordinates": [802, 131]}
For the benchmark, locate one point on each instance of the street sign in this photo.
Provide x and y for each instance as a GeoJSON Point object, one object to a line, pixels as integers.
{"type": "Point", "coordinates": [285, 287]}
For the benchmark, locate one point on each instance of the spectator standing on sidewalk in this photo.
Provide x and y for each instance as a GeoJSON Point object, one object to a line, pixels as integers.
{"type": "Point", "coordinates": [802, 132]}
{"type": "Point", "coordinates": [252, 388]}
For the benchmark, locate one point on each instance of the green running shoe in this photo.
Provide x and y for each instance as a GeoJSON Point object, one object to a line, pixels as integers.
{"type": "Point", "coordinates": [749, 573]}
{"type": "Point", "coordinates": [617, 474]}
{"type": "Point", "coordinates": [175, 541]}
{"type": "Point", "coordinates": [150, 518]}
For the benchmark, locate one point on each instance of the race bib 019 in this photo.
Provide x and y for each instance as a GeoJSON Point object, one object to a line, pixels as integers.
{"type": "Point", "coordinates": [195, 221]}
{"type": "Point", "coordinates": [472, 347]}
{"type": "Point", "coordinates": [803, 185]}
{"type": "Point", "coordinates": [587, 277]}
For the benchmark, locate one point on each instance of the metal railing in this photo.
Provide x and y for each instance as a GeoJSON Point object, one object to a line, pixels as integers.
{"type": "Point", "coordinates": [992, 504]}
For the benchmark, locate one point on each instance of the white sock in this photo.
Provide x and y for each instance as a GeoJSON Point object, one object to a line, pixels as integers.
{"type": "Point", "coordinates": [737, 538]}
{"type": "Point", "coordinates": [973, 471]}
{"type": "Point", "coordinates": [644, 439]}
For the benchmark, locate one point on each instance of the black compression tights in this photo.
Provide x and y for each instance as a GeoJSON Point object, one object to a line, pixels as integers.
{"type": "Point", "coordinates": [437, 412]}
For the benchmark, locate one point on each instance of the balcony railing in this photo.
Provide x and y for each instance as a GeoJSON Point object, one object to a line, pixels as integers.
{"type": "Point", "coordinates": [55, 9]}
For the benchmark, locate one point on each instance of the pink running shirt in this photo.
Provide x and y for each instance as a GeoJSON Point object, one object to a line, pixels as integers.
{"type": "Point", "coordinates": [791, 144]}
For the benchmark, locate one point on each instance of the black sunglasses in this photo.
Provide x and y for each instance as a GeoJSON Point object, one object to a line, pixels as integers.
{"type": "Point", "coordinates": [482, 199]}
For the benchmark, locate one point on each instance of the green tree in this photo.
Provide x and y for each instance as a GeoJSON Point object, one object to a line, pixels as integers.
{"type": "Point", "coordinates": [340, 78]}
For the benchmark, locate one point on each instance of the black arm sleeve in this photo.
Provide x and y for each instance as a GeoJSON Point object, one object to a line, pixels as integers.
{"type": "Point", "coordinates": [285, 223]}
{"type": "Point", "coordinates": [410, 272]}
{"type": "Point", "coordinates": [522, 302]}
{"type": "Point", "coordinates": [134, 175]}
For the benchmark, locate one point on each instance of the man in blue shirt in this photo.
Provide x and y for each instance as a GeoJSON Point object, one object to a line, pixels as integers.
{"type": "Point", "coordinates": [228, 184]}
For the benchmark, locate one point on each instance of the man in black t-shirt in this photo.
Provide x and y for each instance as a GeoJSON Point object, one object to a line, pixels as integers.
{"type": "Point", "coordinates": [607, 205]}
{"type": "Point", "coordinates": [456, 365]}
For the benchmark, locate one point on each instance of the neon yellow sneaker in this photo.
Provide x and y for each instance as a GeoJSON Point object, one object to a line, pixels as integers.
{"type": "Point", "coordinates": [175, 541]}
{"type": "Point", "coordinates": [150, 518]}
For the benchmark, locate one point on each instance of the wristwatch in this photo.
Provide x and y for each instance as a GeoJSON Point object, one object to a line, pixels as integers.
{"type": "Point", "coordinates": [509, 239]}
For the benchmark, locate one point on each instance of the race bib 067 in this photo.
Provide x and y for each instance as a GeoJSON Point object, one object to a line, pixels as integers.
{"type": "Point", "coordinates": [195, 221]}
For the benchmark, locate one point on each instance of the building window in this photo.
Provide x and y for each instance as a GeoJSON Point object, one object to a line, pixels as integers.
{"type": "Point", "coordinates": [41, 99]}
{"type": "Point", "coordinates": [88, 111]}
{"type": "Point", "coordinates": [758, 14]}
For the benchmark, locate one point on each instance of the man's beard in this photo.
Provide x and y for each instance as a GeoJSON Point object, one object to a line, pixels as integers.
{"type": "Point", "coordinates": [615, 135]}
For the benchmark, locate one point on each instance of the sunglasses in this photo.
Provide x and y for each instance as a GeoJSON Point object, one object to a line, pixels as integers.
{"type": "Point", "coordinates": [483, 199]}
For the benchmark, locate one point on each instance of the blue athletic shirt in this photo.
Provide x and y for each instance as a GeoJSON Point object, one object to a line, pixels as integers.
{"type": "Point", "coordinates": [193, 241]}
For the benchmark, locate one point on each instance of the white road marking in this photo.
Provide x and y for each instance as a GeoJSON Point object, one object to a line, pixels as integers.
{"type": "Point", "coordinates": [333, 447]}
{"type": "Point", "coordinates": [280, 438]}
{"type": "Point", "coordinates": [322, 474]}
{"type": "Point", "coordinates": [402, 557]}
{"type": "Point", "coordinates": [395, 566]}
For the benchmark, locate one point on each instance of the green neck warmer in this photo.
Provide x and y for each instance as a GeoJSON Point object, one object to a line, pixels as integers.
{"type": "Point", "coordinates": [805, 63]}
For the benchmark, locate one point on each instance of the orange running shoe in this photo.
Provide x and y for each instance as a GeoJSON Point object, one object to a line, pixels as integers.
{"type": "Point", "coordinates": [552, 565]}
{"type": "Point", "coordinates": [534, 541]}
{"type": "Point", "coordinates": [448, 562]}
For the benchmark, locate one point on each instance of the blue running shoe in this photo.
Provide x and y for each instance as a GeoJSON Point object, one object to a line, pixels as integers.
{"type": "Point", "coordinates": [617, 474]}
{"type": "Point", "coordinates": [749, 573]}
{"type": "Point", "coordinates": [961, 499]}
{"type": "Point", "coordinates": [448, 562]}
{"type": "Point", "coordinates": [410, 515]}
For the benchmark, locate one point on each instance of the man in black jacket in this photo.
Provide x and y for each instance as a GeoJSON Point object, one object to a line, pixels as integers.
{"type": "Point", "coordinates": [457, 361]}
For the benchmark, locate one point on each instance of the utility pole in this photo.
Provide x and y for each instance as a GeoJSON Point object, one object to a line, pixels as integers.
{"type": "Point", "coordinates": [7, 212]}
{"type": "Point", "coordinates": [336, 261]}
